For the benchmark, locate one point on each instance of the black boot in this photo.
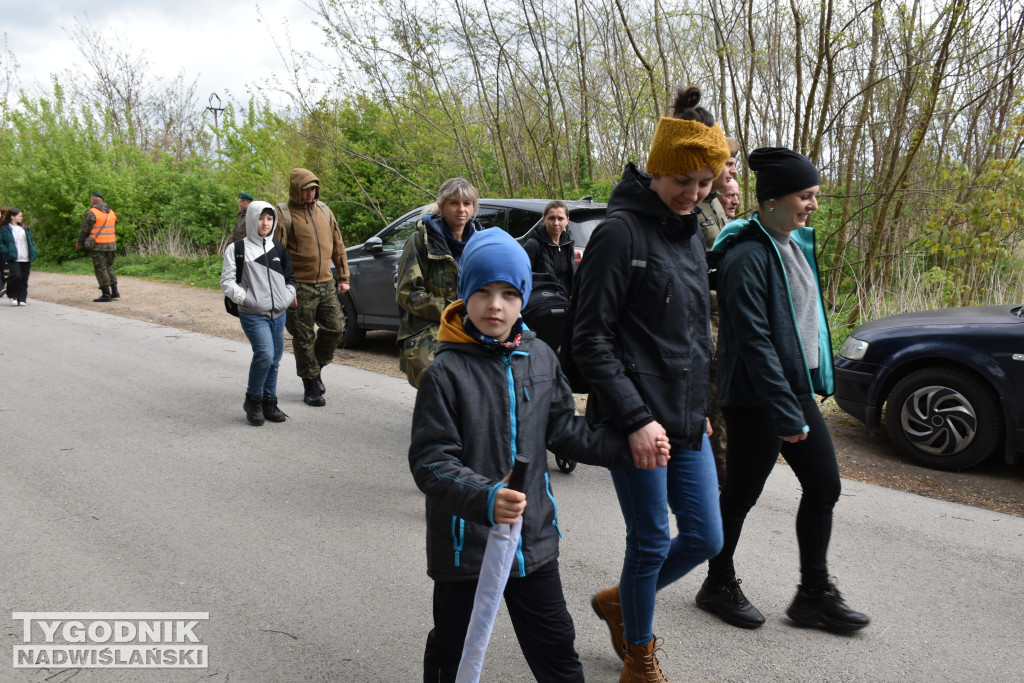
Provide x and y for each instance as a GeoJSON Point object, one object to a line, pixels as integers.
{"type": "Point", "coordinates": [271, 411]}
{"type": "Point", "coordinates": [320, 385]}
{"type": "Point", "coordinates": [114, 294]}
{"type": "Point", "coordinates": [312, 396]}
{"type": "Point", "coordinates": [253, 408]}
{"type": "Point", "coordinates": [825, 609]}
{"type": "Point", "coordinates": [106, 296]}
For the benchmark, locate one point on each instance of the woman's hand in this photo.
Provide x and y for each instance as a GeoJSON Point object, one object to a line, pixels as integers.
{"type": "Point", "coordinates": [650, 446]}
{"type": "Point", "coordinates": [795, 438]}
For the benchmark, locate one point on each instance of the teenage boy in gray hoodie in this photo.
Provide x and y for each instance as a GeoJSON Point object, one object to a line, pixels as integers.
{"type": "Point", "coordinates": [494, 391]}
{"type": "Point", "coordinates": [266, 289]}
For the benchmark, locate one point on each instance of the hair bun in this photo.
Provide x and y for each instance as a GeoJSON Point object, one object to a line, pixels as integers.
{"type": "Point", "coordinates": [686, 98]}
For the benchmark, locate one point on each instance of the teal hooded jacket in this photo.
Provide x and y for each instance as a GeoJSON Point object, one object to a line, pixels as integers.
{"type": "Point", "coordinates": [760, 355]}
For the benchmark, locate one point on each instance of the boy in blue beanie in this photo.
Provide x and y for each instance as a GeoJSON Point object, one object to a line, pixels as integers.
{"type": "Point", "coordinates": [493, 392]}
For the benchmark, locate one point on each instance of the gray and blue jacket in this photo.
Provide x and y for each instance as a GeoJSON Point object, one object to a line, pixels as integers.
{"type": "Point", "coordinates": [476, 410]}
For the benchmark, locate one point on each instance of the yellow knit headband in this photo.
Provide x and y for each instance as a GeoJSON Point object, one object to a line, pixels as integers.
{"type": "Point", "coordinates": [681, 146]}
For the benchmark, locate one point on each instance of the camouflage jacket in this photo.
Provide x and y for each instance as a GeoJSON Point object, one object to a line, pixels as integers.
{"type": "Point", "coordinates": [712, 219]}
{"type": "Point", "coordinates": [427, 281]}
{"type": "Point", "coordinates": [239, 231]}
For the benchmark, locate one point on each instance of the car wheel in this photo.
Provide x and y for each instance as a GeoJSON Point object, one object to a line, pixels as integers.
{"type": "Point", "coordinates": [353, 335]}
{"type": "Point", "coordinates": [943, 418]}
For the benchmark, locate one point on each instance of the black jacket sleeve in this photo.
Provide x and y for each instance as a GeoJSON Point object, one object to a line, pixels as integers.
{"type": "Point", "coordinates": [435, 452]}
{"type": "Point", "coordinates": [570, 436]}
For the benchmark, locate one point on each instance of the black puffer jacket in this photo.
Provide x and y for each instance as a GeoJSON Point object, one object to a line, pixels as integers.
{"type": "Point", "coordinates": [475, 411]}
{"type": "Point", "coordinates": [548, 257]}
{"type": "Point", "coordinates": [647, 358]}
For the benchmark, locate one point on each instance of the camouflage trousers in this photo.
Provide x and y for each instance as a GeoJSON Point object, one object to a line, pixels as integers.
{"type": "Point", "coordinates": [416, 353]}
{"type": "Point", "coordinates": [316, 327]}
{"type": "Point", "coordinates": [718, 442]}
{"type": "Point", "coordinates": [103, 266]}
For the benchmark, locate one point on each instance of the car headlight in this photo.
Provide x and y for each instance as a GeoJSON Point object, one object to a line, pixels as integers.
{"type": "Point", "coordinates": [853, 348]}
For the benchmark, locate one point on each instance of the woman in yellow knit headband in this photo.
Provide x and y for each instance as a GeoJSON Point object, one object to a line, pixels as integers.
{"type": "Point", "coordinates": [641, 339]}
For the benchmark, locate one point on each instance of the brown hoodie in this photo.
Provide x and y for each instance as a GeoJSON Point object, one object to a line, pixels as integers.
{"type": "Point", "coordinates": [314, 240]}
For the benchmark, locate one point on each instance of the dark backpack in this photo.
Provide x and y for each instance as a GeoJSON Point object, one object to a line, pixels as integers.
{"type": "Point", "coordinates": [229, 305]}
{"type": "Point", "coordinates": [638, 264]}
{"type": "Point", "coordinates": [545, 314]}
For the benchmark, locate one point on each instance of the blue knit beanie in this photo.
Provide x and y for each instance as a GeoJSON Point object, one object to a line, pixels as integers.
{"type": "Point", "coordinates": [494, 256]}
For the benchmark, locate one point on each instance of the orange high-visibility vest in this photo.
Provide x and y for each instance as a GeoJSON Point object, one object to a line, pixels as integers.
{"type": "Point", "coordinates": [104, 230]}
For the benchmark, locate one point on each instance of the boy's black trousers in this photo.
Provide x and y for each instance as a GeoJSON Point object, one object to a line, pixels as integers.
{"type": "Point", "coordinates": [539, 615]}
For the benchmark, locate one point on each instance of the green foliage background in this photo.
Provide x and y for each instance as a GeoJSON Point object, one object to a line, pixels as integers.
{"type": "Point", "coordinates": [916, 120]}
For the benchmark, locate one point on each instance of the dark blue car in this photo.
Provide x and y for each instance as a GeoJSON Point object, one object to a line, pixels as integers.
{"type": "Point", "coordinates": [948, 384]}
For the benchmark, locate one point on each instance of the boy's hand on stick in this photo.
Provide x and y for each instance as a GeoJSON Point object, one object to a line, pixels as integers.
{"type": "Point", "coordinates": [508, 506]}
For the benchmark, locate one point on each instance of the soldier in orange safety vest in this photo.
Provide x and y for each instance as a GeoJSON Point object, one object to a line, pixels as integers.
{"type": "Point", "coordinates": [99, 236]}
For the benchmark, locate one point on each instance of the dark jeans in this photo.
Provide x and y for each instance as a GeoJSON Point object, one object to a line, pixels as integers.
{"type": "Point", "coordinates": [539, 616]}
{"type": "Point", "coordinates": [753, 449]}
{"type": "Point", "coordinates": [267, 340]}
{"type": "Point", "coordinates": [17, 283]}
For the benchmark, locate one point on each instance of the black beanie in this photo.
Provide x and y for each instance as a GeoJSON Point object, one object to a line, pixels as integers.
{"type": "Point", "coordinates": [781, 171]}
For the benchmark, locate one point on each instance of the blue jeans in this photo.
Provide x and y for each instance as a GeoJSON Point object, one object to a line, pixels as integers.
{"type": "Point", "coordinates": [267, 339]}
{"type": "Point", "coordinates": [689, 487]}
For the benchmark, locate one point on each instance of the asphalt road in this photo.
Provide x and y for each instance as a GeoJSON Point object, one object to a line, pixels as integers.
{"type": "Point", "coordinates": [129, 481]}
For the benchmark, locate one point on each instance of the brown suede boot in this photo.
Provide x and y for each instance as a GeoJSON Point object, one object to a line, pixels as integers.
{"type": "Point", "coordinates": [642, 664]}
{"type": "Point", "coordinates": [608, 609]}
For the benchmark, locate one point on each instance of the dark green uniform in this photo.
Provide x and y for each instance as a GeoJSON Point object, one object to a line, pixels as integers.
{"type": "Point", "coordinates": [102, 254]}
{"type": "Point", "coordinates": [427, 281]}
{"type": "Point", "coordinates": [712, 220]}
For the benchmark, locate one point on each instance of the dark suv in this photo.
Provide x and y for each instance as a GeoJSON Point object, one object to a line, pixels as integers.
{"type": "Point", "coordinates": [370, 303]}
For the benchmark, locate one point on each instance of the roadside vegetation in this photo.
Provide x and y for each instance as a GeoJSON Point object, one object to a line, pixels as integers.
{"type": "Point", "coordinates": [914, 112]}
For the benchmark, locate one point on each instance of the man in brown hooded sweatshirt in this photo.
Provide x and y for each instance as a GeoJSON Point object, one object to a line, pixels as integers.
{"type": "Point", "coordinates": [310, 232]}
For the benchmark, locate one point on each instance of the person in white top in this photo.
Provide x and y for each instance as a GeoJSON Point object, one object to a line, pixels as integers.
{"type": "Point", "coordinates": [18, 250]}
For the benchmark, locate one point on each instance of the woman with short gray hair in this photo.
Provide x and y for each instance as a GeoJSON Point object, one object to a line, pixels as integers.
{"type": "Point", "coordinates": [428, 272]}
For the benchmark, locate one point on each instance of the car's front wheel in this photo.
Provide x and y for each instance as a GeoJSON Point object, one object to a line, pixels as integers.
{"type": "Point", "coordinates": [943, 418]}
{"type": "Point", "coordinates": [353, 335]}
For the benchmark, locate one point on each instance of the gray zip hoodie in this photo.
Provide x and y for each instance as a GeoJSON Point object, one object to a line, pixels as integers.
{"type": "Point", "coordinates": [268, 282]}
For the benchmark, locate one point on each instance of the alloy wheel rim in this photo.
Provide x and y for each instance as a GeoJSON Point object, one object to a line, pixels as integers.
{"type": "Point", "coordinates": [938, 420]}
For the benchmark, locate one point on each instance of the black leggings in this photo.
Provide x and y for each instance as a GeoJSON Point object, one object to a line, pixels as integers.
{"type": "Point", "coordinates": [752, 451]}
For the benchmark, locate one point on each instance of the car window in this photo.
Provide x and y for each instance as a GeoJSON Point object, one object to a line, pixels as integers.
{"type": "Point", "coordinates": [491, 217]}
{"type": "Point", "coordinates": [582, 225]}
{"type": "Point", "coordinates": [395, 239]}
{"type": "Point", "coordinates": [521, 220]}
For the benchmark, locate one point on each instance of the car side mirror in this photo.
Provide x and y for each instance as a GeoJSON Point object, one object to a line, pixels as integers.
{"type": "Point", "coordinates": [374, 245]}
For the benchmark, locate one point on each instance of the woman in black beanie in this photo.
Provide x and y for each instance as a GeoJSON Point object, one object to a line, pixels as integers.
{"type": "Point", "coordinates": [775, 354]}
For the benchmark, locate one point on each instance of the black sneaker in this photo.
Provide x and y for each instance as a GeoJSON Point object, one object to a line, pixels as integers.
{"type": "Point", "coordinates": [729, 603]}
{"type": "Point", "coordinates": [825, 609]}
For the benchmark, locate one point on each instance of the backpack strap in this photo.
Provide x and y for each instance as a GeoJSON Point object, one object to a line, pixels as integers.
{"type": "Point", "coordinates": [286, 220]}
{"type": "Point", "coordinates": [239, 260]}
{"type": "Point", "coordinates": [639, 252]}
